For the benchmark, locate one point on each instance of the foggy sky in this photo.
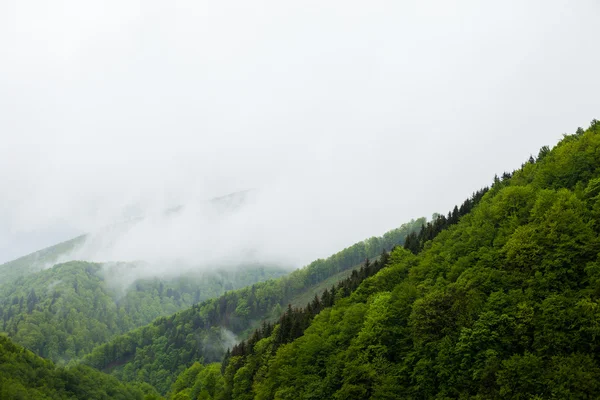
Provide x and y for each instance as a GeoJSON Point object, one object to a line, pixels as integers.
{"type": "Point", "coordinates": [348, 117]}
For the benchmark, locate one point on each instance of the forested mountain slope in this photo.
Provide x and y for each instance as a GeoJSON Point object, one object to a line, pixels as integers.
{"type": "Point", "coordinates": [25, 376]}
{"type": "Point", "coordinates": [503, 304]}
{"type": "Point", "coordinates": [78, 247]}
{"type": "Point", "coordinates": [38, 260]}
{"type": "Point", "coordinates": [158, 352]}
{"type": "Point", "coordinates": [63, 312]}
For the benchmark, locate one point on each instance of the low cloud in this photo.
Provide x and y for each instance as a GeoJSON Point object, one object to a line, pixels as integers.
{"type": "Point", "coordinates": [347, 118]}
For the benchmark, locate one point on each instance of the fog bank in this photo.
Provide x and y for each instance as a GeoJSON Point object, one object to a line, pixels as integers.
{"type": "Point", "coordinates": [347, 118]}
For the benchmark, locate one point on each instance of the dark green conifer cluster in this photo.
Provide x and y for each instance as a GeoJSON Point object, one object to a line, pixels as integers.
{"type": "Point", "coordinates": [415, 241]}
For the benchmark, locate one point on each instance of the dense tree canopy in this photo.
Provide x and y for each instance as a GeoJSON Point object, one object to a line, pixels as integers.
{"type": "Point", "coordinates": [25, 376]}
{"type": "Point", "coordinates": [63, 312]}
{"type": "Point", "coordinates": [502, 304]}
{"type": "Point", "coordinates": [156, 353]}
{"type": "Point", "coordinates": [37, 261]}
{"type": "Point", "coordinates": [497, 299]}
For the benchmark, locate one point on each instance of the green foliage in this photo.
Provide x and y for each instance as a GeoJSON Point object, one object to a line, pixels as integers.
{"type": "Point", "coordinates": [502, 304]}
{"type": "Point", "coordinates": [38, 260]}
{"type": "Point", "coordinates": [62, 313]}
{"type": "Point", "coordinates": [23, 375]}
{"type": "Point", "coordinates": [158, 352]}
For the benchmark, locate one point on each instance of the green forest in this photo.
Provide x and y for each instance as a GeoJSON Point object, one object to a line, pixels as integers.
{"type": "Point", "coordinates": [501, 304]}
{"type": "Point", "coordinates": [62, 313]}
{"type": "Point", "coordinates": [156, 353]}
{"type": "Point", "coordinates": [36, 261]}
{"type": "Point", "coordinates": [24, 376]}
{"type": "Point", "coordinates": [496, 299]}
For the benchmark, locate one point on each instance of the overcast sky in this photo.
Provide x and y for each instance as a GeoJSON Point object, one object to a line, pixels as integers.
{"type": "Point", "coordinates": [349, 117]}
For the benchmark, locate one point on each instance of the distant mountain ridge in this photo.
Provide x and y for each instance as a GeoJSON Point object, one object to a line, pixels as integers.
{"type": "Point", "coordinates": [38, 260]}
{"type": "Point", "coordinates": [60, 252]}
{"type": "Point", "coordinates": [204, 331]}
{"type": "Point", "coordinates": [63, 312]}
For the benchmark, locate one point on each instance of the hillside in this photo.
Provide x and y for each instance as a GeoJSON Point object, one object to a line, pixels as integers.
{"type": "Point", "coordinates": [92, 244]}
{"type": "Point", "coordinates": [158, 352]}
{"type": "Point", "coordinates": [25, 376]}
{"type": "Point", "coordinates": [38, 260]}
{"type": "Point", "coordinates": [63, 312]}
{"type": "Point", "coordinates": [502, 304]}
{"type": "Point", "coordinates": [498, 299]}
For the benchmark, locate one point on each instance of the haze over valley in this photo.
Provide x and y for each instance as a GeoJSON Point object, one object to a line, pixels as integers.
{"type": "Point", "coordinates": [313, 200]}
{"type": "Point", "coordinates": [340, 118]}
